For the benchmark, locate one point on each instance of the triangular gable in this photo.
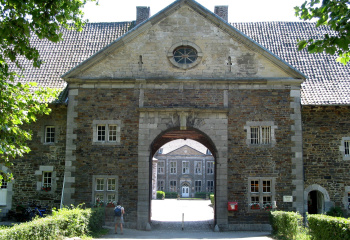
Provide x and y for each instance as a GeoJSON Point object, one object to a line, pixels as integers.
{"type": "Point", "coordinates": [209, 16]}
{"type": "Point", "coordinates": [181, 151]}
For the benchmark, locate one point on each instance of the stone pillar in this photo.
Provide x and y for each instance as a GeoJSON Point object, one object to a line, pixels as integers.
{"type": "Point", "coordinates": [222, 11]}
{"type": "Point", "coordinates": [142, 14]}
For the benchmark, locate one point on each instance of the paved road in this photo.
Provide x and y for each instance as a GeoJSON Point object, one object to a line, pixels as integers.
{"type": "Point", "coordinates": [198, 223]}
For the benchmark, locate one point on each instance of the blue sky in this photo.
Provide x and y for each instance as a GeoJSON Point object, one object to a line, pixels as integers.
{"type": "Point", "coordinates": [239, 10]}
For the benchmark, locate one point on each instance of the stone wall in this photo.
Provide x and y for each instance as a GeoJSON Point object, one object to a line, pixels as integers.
{"type": "Point", "coordinates": [325, 167]}
{"type": "Point", "coordinates": [27, 171]}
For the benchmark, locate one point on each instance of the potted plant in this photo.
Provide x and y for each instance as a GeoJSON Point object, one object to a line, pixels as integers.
{"type": "Point", "coordinates": [254, 206]}
{"type": "Point", "coordinates": [267, 206]}
{"type": "Point", "coordinates": [111, 204]}
{"type": "Point", "coordinates": [46, 188]}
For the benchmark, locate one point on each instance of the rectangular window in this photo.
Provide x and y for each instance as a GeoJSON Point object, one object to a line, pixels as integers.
{"type": "Point", "coordinates": [254, 200]}
{"type": "Point", "coordinates": [99, 197]}
{"type": "Point", "coordinates": [348, 200]}
{"type": "Point", "coordinates": [210, 167]}
{"type": "Point", "coordinates": [100, 183]}
{"type": "Point", "coordinates": [260, 135]}
{"type": "Point", "coordinates": [198, 167]}
{"type": "Point", "coordinates": [4, 184]}
{"type": "Point", "coordinates": [267, 200]}
{"type": "Point", "coordinates": [185, 167]}
{"type": "Point", "coordinates": [210, 184]}
{"type": "Point", "coordinates": [173, 186]}
{"type": "Point", "coordinates": [161, 165]}
{"type": "Point", "coordinates": [50, 134]}
{"type": "Point", "coordinates": [111, 184]}
{"type": "Point", "coordinates": [254, 186]}
{"type": "Point", "coordinates": [160, 185]}
{"type": "Point", "coordinates": [347, 147]}
{"type": "Point", "coordinates": [111, 198]}
{"type": "Point", "coordinates": [266, 186]}
{"type": "Point", "coordinates": [112, 135]}
{"type": "Point", "coordinates": [101, 133]}
{"type": "Point", "coordinates": [198, 186]}
{"type": "Point", "coordinates": [47, 179]}
{"type": "Point", "coordinates": [173, 167]}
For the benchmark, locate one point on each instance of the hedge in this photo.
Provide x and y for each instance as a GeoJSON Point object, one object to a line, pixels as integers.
{"type": "Point", "coordinates": [63, 223]}
{"type": "Point", "coordinates": [171, 194]}
{"type": "Point", "coordinates": [327, 227]}
{"type": "Point", "coordinates": [160, 195]}
{"type": "Point", "coordinates": [286, 224]}
{"type": "Point", "coordinates": [212, 198]}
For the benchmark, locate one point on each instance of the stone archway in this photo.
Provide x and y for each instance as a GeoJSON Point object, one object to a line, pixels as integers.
{"type": "Point", "coordinates": [159, 126]}
{"type": "Point", "coordinates": [317, 200]}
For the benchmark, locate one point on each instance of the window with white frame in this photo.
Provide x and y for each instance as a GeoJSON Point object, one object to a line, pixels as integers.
{"type": "Point", "coordinates": [198, 185]}
{"type": "Point", "coordinates": [348, 200]}
{"type": "Point", "coordinates": [47, 180]}
{"type": "Point", "coordinates": [210, 186]}
{"type": "Point", "coordinates": [261, 193]}
{"type": "Point", "coordinates": [210, 167]}
{"type": "Point", "coordinates": [106, 132]}
{"type": "Point", "coordinates": [50, 134]}
{"type": "Point", "coordinates": [160, 185]}
{"type": "Point", "coordinates": [173, 186]}
{"type": "Point", "coordinates": [198, 167]}
{"type": "Point", "coordinates": [105, 188]}
{"type": "Point", "coordinates": [345, 148]}
{"type": "Point", "coordinates": [161, 165]}
{"type": "Point", "coordinates": [185, 167]}
{"type": "Point", "coordinates": [260, 133]}
{"type": "Point", "coordinates": [173, 167]}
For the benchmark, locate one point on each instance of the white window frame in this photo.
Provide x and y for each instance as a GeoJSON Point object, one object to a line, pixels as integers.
{"type": "Point", "coordinates": [345, 148]}
{"type": "Point", "coordinates": [173, 186]}
{"type": "Point", "coordinates": [260, 133]}
{"type": "Point", "coordinates": [161, 167]}
{"type": "Point", "coordinates": [173, 167]}
{"type": "Point", "coordinates": [198, 185]}
{"type": "Point", "coordinates": [210, 187]}
{"type": "Point", "coordinates": [260, 190]}
{"type": "Point", "coordinates": [40, 174]}
{"type": "Point", "coordinates": [185, 167]}
{"type": "Point", "coordinates": [47, 179]}
{"type": "Point", "coordinates": [50, 136]}
{"type": "Point", "coordinates": [101, 188]}
{"type": "Point", "coordinates": [210, 167]}
{"type": "Point", "coordinates": [106, 132]}
{"type": "Point", "coordinates": [198, 167]}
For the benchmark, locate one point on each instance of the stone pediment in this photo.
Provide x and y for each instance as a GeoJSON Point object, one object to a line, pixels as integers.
{"type": "Point", "coordinates": [185, 151]}
{"type": "Point", "coordinates": [147, 52]}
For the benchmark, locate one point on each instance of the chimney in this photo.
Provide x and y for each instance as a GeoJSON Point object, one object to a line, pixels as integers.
{"type": "Point", "coordinates": [142, 14]}
{"type": "Point", "coordinates": [222, 11]}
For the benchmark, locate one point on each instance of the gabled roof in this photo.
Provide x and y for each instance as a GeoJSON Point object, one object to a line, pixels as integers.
{"type": "Point", "coordinates": [328, 81]}
{"type": "Point", "coordinates": [180, 151]}
{"type": "Point", "coordinates": [209, 16]}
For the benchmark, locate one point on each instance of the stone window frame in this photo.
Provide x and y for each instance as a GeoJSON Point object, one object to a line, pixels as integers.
{"type": "Point", "coordinates": [105, 191]}
{"type": "Point", "coordinates": [196, 186]}
{"type": "Point", "coordinates": [189, 44]}
{"type": "Point", "coordinates": [172, 186]}
{"type": "Point", "coordinates": [210, 167]}
{"type": "Point", "coordinates": [106, 123]}
{"type": "Point", "coordinates": [161, 167]}
{"type": "Point", "coordinates": [40, 178]}
{"type": "Point", "coordinates": [173, 169]}
{"type": "Point", "coordinates": [160, 185]}
{"type": "Point", "coordinates": [212, 186]}
{"type": "Point", "coordinates": [185, 169]}
{"type": "Point", "coordinates": [346, 198]}
{"type": "Point", "coordinates": [198, 169]}
{"type": "Point", "coordinates": [261, 195]}
{"type": "Point", "coordinates": [342, 148]}
{"type": "Point", "coordinates": [43, 132]}
{"type": "Point", "coordinates": [48, 138]}
{"type": "Point", "coordinates": [260, 125]}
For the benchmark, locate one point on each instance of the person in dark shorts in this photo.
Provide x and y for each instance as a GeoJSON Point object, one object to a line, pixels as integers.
{"type": "Point", "coordinates": [119, 220]}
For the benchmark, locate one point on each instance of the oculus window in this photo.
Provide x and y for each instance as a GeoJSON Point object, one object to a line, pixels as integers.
{"type": "Point", "coordinates": [185, 55]}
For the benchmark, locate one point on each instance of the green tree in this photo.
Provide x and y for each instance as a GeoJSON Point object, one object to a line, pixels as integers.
{"type": "Point", "coordinates": [21, 103]}
{"type": "Point", "coordinates": [332, 13]}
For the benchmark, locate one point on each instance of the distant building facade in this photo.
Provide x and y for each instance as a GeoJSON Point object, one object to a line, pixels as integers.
{"type": "Point", "coordinates": [185, 171]}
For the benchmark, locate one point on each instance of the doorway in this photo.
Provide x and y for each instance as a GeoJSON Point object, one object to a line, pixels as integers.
{"type": "Point", "coordinates": [315, 202]}
{"type": "Point", "coordinates": [185, 190]}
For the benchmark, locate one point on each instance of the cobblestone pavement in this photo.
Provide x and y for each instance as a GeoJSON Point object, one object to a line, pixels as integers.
{"type": "Point", "coordinates": [198, 223]}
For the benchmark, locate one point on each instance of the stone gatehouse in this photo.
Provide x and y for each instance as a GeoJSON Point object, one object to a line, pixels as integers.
{"type": "Point", "coordinates": [275, 120]}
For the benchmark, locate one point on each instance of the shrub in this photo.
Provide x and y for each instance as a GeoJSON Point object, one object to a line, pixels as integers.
{"type": "Point", "coordinates": [201, 195]}
{"type": "Point", "coordinates": [335, 212]}
{"type": "Point", "coordinates": [327, 227]}
{"type": "Point", "coordinates": [170, 194]}
{"type": "Point", "coordinates": [63, 223]}
{"type": "Point", "coordinates": [212, 198]}
{"type": "Point", "coordinates": [97, 219]}
{"type": "Point", "coordinates": [285, 224]}
{"type": "Point", "coordinates": [160, 195]}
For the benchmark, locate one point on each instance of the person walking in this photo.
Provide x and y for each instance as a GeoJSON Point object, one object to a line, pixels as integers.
{"type": "Point", "coordinates": [118, 218]}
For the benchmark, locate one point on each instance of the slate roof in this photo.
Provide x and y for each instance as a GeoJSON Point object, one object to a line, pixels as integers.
{"type": "Point", "coordinates": [328, 82]}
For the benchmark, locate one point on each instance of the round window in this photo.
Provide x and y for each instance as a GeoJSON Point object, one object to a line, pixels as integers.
{"type": "Point", "coordinates": [185, 55]}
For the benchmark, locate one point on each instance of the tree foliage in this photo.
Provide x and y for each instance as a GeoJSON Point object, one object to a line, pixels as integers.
{"type": "Point", "coordinates": [21, 103]}
{"type": "Point", "coordinates": [332, 13]}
